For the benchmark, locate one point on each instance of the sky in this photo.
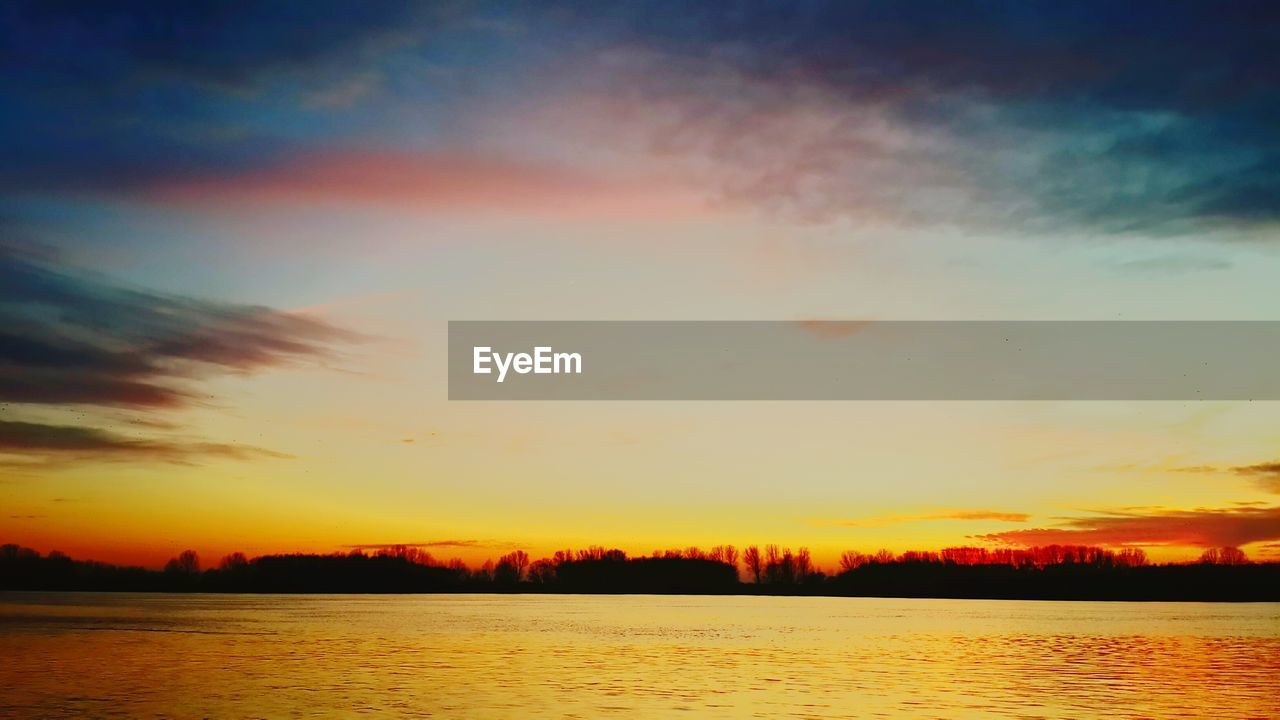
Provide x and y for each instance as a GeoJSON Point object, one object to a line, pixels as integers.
{"type": "Point", "coordinates": [231, 237]}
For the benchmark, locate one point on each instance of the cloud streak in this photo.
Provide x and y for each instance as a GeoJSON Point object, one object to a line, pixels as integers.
{"type": "Point", "coordinates": [426, 181]}
{"type": "Point", "coordinates": [1265, 474]}
{"type": "Point", "coordinates": [73, 342]}
{"type": "Point", "coordinates": [427, 544]}
{"type": "Point", "coordinates": [64, 443]}
{"type": "Point", "coordinates": [1202, 527]}
{"type": "Point", "coordinates": [988, 515]}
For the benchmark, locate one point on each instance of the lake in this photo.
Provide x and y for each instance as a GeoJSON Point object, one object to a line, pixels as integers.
{"type": "Point", "coordinates": [566, 656]}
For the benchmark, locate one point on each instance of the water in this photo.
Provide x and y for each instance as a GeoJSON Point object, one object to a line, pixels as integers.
{"type": "Point", "coordinates": [494, 656]}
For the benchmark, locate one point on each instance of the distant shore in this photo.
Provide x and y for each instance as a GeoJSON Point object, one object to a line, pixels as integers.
{"type": "Point", "coordinates": [1074, 574]}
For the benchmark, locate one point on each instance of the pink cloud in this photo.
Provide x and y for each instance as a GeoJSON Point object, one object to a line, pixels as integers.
{"type": "Point", "coordinates": [450, 181]}
{"type": "Point", "coordinates": [784, 147]}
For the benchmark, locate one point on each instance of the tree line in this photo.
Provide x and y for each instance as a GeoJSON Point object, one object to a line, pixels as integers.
{"type": "Point", "coordinates": [1054, 571]}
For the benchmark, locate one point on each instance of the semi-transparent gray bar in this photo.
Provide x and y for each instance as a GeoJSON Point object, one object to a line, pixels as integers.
{"type": "Point", "coordinates": [872, 360]}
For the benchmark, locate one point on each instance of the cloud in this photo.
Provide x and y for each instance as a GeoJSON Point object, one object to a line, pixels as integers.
{"type": "Point", "coordinates": [1171, 264]}
{"type": "Point", "coordinates": [232, 47]}
{"type": "Point", "coordinates": [990, 515]}
{"type": "Point", "coordinates": [347, 91]}
{"type": "Point", "coordinates": [897, 112]}
{"type": "Point", "coordinates": [783, 148]}
{"type": "Point", "coordinates": [63, 443]}
{"type": "Point", "coordinates": [430, 181]}
{"type": "Point", "coordinates": [1202, 527]}
{"type": "Point", "coordinates": [74, 340]}
{"type": "Point", "coordinates": [909, 111]}
{"type": "Point", "coordinates": [71, 342]}
{"type": "Point", "coordinates": [980, 515]}
{"type": "Point", "coordinates": [1266, 475]}
{"type": "Point", "coordinates": [832, 329]}
{"type": "Point", "coordinates": [112, 99]}
{"type": "Point", "coordinates": [427, 544]}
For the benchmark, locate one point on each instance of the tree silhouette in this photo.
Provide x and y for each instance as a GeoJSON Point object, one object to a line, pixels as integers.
{"type": "Point", "coordinates": [804, 565]}
{"type": "Point", "coordinates": [1224, 556]}
{"type": "Point", "coordinates": [542, 572]}
{"type": "Point", "coordinates": [1061, 572]}
{"type": "Point", "coordinates": [755, 566]}
{"type": "Point", "coordinates": [851, 560]}
{"type": "Point", "coordinates": [187, 563]}
{"type": "Point", "coordinates": [510, 567]}
{"type": "Point", "coordinates": [727, 554]}
{"type": "Point", "coordinates": [234, 562]}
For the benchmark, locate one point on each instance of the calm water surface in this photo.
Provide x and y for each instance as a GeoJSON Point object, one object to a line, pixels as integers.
{"type": "Point", "coordinates": [487, 656]}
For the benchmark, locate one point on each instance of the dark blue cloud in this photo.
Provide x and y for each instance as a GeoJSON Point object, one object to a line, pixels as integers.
{"type": "Point", "coordinates": [1165, 115]}
{"type": "Point", "coordinates": [230, 45]}
{"type": "Point", "coordinates": [71, 343]}
{"type": "Point", "coordinates": [1160, 116]}
{"type": "Point", "coordinates": [68, 339]}
{"type": "Point", "coordinates": [123, 95]}
{"type": "Point", "coordinates": [1191, 57]}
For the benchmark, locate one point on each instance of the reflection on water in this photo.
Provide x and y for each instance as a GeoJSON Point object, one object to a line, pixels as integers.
{"type": "Point", "coordinates": [493, 656]}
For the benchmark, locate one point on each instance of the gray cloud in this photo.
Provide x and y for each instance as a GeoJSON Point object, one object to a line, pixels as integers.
{"type": "Point", "coordinates": [1265, 474]}
{"type": "Point", "coordinates": [65, 443]}
{"type": "Point", "coordinates": [69, 339]}
{"type": "Point", "coordinates": [76, 342]}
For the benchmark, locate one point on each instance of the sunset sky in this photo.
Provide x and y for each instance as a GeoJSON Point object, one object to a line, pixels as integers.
{"type": "Point", "coordinates": [231, 237]}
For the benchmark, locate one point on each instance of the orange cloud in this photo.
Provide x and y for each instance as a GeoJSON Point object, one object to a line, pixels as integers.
{"type": "Point", "coordinates": [833, 329]}
{"type": "Point", "coordinates": [1202, 527]}
{"type": "Point", "coordinates": [994, 515]}
{"type": "Point", "coordinates": [433, 181]}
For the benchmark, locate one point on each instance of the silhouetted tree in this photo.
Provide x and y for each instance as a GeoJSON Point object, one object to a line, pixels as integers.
{"type": "Point", "coordinates": [187, 563]}
{"type": "Point", "coordinates": [1132, 557]}
{"type": "Point", "coordinates": [459, 568]}
{"type": "Point", "coordinates": [1224, 556]}
{"type": "Point", "coordinates": [755, 565]}
{"type": "Point", "coordinates": [851, 560]}
{"type": "Point", "coordinates": [542, 572]}
{"type": "Point", "coordinates": [409, 553]}
{"type": "Point", "coordinates": [595, 552]}
{"type": "Point", "coordinates": [1049, 572]}
{"type": "Point", "coordinates": [727, 554]}
{"type": "Point", "coordinates": [234, 562]}
{"type": "Point", "coordinates": [779, 565]}
{"type": "Point", "coordinates": [804, 565]}
{"type": "Point", "coordinates": [510, 567]}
